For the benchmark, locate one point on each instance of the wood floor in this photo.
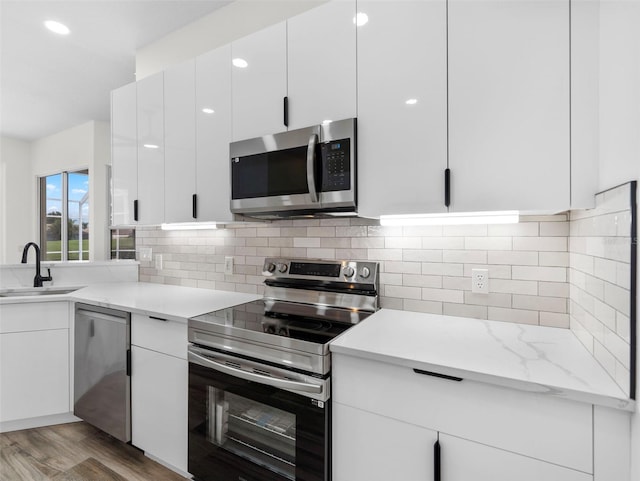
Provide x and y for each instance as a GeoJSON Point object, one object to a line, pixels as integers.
{"type": "Point", "coordinates": [74, 452]}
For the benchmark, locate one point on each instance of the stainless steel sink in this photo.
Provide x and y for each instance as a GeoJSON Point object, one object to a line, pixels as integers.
{"type": "Point", "coordinates": [36, 291]}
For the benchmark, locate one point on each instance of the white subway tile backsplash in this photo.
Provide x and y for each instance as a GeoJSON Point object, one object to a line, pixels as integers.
{"type": "Point", "coordinates": [554, 319]}
{"type": "Point", "coordinates": [442, 295]}
{"type": "Point", "coordinates": [553, 289]}
{"type": "Point", "coordinates": [551, 229]}
{"type": "Point", "coordinates": [551, 274]}
{"type": "Point", "coordinates": [464, 257]}
{"type": "Point", "coordinates": [547, 270]}
{"type": "Point", "coordinates": [414, 280]}
{"type": "Point", "coordinates": [554, 259]}
{"type": "Point", "coordinates": [403, 242]}
{"type": "Point", "coordinates": [494, 299]}
{"type": "Point", "coordinates": [513, 315]}
{"type": "Point", "coordinates": [555, 244]}
{"type": "Point", "coordinates": [429, 307]}
{"type": "Point", "coordinates": [464, 310]}
{"type": "Point", "coordinates": [421, 255]}
{"type": "Point", "coordinates": [509, 286]}
{"type": "Point", "coordinates": [306, 242]}
{"type": "Point", "coordinates": [513, 258]}
{"type": "Point", "coordinates": [464, 230]}
{"type": "Point", "coordinates": [521, 229]}
{"type": "Point", "coordinates": [488, 243]}
{"type": "Point", "coordinates": [540, 303]}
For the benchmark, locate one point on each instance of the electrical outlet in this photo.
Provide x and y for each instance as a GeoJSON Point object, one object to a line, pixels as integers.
{"type": "Point", "coordinates": [480, 281]}
{"type": "Point", "coordinates": [228, 265]}
{"type": "Point", "coordinates": [146, 254]}
{"type": "Point", "coordinates": [159, 262]}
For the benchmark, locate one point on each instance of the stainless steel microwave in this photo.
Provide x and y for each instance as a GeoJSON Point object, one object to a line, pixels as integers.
{"type": "Point", "coordinates": [299, 172]}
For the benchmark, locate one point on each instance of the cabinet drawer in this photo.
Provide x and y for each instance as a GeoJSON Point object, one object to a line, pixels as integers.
{"type": "Point", "coordinates": [157, 334]}
{"type": "Point", "coordinates": [36, 316]}
{"type": "Point", "coordinates": [543, 427]}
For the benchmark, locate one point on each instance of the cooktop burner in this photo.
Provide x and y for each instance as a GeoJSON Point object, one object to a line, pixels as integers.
{"type": "Point", "coordinates": [251, 316]}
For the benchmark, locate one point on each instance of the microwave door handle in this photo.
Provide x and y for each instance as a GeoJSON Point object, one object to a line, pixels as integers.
{"type": "Point", "coordinates": [250, 376]}
{"type": "Point", "coordinates": [311, 167]}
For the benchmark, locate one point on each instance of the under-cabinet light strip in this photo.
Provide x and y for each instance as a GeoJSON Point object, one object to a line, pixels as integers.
{"type": "Point", "coordinates": [461, 218]}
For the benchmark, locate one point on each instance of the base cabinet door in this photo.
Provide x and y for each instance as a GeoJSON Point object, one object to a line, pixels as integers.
{"type": "Point", "coordinates": [463, 460]}
{"type": "Point", "coordinates": [369, 447]}
{"type": "Point", "coordinates": [34, 374]}
{"type": "Point", "coordinates": [159, 386]}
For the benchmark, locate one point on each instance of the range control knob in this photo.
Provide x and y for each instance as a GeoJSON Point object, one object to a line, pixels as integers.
{"type": "Point", "coordinates": [365, 272]}
{"type": "Point", "coordinates": [282, 267]}
{"type": "Point", "coordinates": [270, 267]}
{"type": "Point", "coordinates": [348, 271]}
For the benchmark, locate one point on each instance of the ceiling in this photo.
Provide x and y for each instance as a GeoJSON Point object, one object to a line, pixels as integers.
{"type": "Point", "coordinates": [49, 83]}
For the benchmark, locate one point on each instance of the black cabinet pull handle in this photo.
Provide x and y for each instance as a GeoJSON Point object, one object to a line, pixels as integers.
{"type": "Point", "coordinates": [135, 210]}
{"type": "Point", "coordinates": [194, 206]}
{"type": "Point", "coordinates": [128, 362]}
{"type": "Point", "coordinates": [285, 103]}
{"type": "Point", "coordinates": [437, 473]}
{"type": "Point", "coordinates": [437, 374]}
{"type": "Point", "coordinates": [447, 187]}
{"type": "Point", "coordinates": [158, 318]}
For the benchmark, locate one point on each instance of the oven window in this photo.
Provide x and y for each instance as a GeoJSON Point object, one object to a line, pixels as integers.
{"type": "Point", "coordinates": [262, 434]}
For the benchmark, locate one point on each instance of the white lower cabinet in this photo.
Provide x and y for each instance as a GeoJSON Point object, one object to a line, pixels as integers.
{"type": "Point", "coordinates": [34, 360]}
{"type": "Point", "coordinates": [159, 386]}
{"type": "Point", "coordinates": [463, 460]}
{"type": "Point", "coordinates": [159, 405]}
{"type": "Point", "coordinates": [387, 418]}
{"type": "Point", "coordinates": [370, 447]}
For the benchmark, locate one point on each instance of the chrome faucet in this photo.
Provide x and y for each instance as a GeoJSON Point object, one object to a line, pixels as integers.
{"type": "Point", "coordinates": [38, 279]}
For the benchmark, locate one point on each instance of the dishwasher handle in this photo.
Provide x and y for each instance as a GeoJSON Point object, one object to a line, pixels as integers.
{"type": "Point", "coordinates": [99, 315]}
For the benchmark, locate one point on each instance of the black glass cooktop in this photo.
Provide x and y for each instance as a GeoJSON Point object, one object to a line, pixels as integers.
{"type": "Point", "coordinates": [316, 325]}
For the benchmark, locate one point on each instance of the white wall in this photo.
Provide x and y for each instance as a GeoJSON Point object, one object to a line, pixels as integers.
{"type": "Point", "coordinates": [17, 202]}
{"type": "Point", "coordinates": [229, 23]}
{"type": "Point", "coordinates": [620, 121]}
{"type": "Point", "coordinates": [81, 147]}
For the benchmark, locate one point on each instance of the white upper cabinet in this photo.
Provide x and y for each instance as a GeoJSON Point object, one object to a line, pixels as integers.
{"type": "Point", "coordinates": [259, 76]}
{"type": "Point", "coordinates": [124, 155]}
{"type": "Point", "coordinates": [321, 49]}
{"type": "Point", "coordinates": [150, 107]}
{"type": "Point", "coordinates": [509, 105]}
{"type": "Point", "coordinates": [402, 106]}
{"type": "Point", "coordinates": [180, 142]}
{"type": "Point", "coordinates": [213, 134]}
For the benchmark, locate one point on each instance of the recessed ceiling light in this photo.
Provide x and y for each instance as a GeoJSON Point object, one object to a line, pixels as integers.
{"type": "Point", "coordinates": [151, 146]}
{"type": "Point", "coordinates": [207, 110]}
{"type": "Point", "coordinates": [57, 27]}
{"type": "Point", "coordinates": [240, 63]}
{"type": "Point", "coordinates": [360, 19]}
{"type": "Point", "coordinates": [411, 101]}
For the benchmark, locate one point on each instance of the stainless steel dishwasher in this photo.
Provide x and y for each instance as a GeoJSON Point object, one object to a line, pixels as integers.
{"type": "Point", "coordinates": [102, 369]}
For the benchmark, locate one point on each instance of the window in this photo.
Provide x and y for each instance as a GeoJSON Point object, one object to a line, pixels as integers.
{"type": "Point", "coordinates": [64, 216]}
{"type": "Point", "coordinates": [123, 243]}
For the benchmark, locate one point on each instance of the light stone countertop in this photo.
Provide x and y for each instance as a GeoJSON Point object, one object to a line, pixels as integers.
{"type": "Point", "coordinates": [537, 359]}
{"type": "Point", "coordinates": [170, 302]}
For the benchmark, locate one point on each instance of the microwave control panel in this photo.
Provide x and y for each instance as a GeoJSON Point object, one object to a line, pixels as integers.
{"type": "Point", "coordinates": [336, 165]}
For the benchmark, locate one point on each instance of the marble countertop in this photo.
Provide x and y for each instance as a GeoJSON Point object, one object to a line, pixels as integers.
{"type": "Point", "coordinates": [531, 358]}
{"type": "Point", "coordinates": [170, 302]}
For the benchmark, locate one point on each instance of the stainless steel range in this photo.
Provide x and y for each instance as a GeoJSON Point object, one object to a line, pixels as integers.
{"type": "Point", "coordinates": [259, 373]}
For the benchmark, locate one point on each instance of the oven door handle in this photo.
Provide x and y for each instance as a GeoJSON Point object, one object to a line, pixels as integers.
{"type": "Point", "coordinates": [250, 376]}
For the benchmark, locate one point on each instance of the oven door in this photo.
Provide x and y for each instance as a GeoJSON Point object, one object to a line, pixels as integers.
{"type": "Point", "coordinates": [247, 430]}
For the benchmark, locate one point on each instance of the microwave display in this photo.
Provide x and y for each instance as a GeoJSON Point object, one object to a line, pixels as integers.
{"type": "Point", "coordinates": [336, 166]}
